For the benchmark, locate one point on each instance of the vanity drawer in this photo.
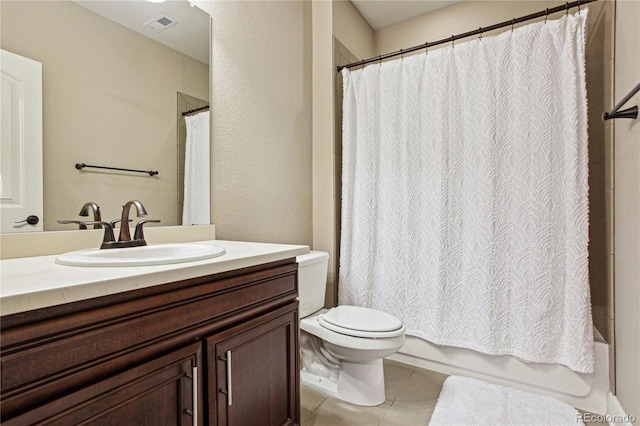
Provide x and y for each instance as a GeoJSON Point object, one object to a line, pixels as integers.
{"type": "Point", "coordinates": [61, 353]}
{"type": "Point", "coordinates": [161, 391]}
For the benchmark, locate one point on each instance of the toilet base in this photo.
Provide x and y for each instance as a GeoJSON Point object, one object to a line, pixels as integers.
{"type": "Point", "coordinates": [360, 383]}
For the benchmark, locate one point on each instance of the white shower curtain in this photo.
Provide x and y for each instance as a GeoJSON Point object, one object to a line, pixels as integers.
{"type": "Point", "coordinates": [196, 210]}
{"type": "Point", "coordinates": [465, 209]}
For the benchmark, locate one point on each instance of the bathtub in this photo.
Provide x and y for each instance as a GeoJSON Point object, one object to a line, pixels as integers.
{"type": "Point", "coordinates": [584, 391]}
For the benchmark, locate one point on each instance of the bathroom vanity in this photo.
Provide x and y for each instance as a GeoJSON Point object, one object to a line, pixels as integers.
{"type": "Point", "coordinates": [206, 342]}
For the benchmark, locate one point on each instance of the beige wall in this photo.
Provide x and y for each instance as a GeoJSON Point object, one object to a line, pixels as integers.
{"type": "Point", "coordinates": [99, 110]}
{"type": "Point", "coordinates": [334, 23]}
{"type": "Point", "coordinates": [456, 19]}
{"type": "Point", "coordinates": [339, 19]}
{"type": "Point", "coordinates": [324, 172]}
{"type": "Point", "coordinates": [261, 121]}
{"type": "Point", "coordinates": [627, 211]}
{"type": "Point", "coordinates": [353, 31]}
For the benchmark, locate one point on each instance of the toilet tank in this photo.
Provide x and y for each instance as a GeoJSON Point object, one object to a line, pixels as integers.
{"type": "Point", "coordinates": [312, 281]}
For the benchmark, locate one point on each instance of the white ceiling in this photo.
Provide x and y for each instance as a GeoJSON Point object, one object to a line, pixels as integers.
{"type": "Point", "coordinates": [382, 13]}
{"type": "Point", "coordinates": [190, 35]}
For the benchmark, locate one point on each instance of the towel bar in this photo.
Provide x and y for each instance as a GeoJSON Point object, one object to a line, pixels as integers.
{"type": "Point", "coordinates": [81, 166]}
{"type": "Point", "coordinates": [631, 113]}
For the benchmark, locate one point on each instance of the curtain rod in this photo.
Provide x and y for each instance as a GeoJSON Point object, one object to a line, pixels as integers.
{"type": "Point", "coordinates": [193, 111]}
{"type": "Point", "coordinates": [480, 30]}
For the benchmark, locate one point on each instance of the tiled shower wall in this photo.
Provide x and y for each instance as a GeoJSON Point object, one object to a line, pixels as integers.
{"type": "Point", "coordinates": [599, 64]}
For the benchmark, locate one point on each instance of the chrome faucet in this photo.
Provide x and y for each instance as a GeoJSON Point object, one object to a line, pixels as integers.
{"type": "Point", "coordinates": [96, 214]}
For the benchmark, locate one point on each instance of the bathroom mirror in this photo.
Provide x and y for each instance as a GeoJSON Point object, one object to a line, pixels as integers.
{"type": "Point", "coordinates": [113, 97]}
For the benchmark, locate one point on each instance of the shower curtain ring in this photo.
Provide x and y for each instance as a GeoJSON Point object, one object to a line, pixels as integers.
{"type": "Point", "coordinates": [567, 7]}
{"type": "Point", "coordinates": [426, 47]}
{"type": "Point", "coordinates": [480, 29]}
{"type": "Point", "coordinates": [513, 22]}
{"type": "Point", "coordinates": [401, 55]}
{"type": "Point", "coordinates": [453, 40]}
{"type": "Point", "coordinates": [546, 15]}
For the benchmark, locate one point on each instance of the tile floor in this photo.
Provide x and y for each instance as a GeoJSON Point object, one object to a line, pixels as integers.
{"type": "Point", "coordinates": [411, 392]}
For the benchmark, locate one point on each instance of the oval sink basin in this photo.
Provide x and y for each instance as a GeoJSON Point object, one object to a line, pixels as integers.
{"type": "Point", "coordinates": [156, 254]}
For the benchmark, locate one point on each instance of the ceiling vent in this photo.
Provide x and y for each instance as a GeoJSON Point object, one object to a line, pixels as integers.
{"type": "Point", "coordinates": [161, 23]}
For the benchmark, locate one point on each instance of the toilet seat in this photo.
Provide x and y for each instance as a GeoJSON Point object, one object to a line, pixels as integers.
{"type": "Point", "coordinates": [361, 322]}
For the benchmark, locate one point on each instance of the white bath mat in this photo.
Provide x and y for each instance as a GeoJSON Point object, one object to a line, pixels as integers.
{"type": "Point", "coordinates": [465, 401]}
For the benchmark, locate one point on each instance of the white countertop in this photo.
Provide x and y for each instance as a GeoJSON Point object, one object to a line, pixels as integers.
{"type": "Point", "coordinates": [36, 282]}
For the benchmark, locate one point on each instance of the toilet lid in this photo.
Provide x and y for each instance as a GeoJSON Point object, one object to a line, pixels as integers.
{"type": "Point", "coordinates": [362, 322]}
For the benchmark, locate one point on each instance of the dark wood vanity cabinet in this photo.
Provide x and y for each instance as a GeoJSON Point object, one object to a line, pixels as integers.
{"type": "Point", "coordinates": [214, 350]}
{"type": "Point", "coordinates": [252, 375]}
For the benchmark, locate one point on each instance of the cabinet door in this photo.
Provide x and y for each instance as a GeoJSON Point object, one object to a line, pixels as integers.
{"type": "Point", "coordinates": [253, 372]}
{"type": "Point", "coordinates": [161, 392]}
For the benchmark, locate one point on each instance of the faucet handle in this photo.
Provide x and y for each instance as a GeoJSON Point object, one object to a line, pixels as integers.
{"type": "Point", "coordinates": [139, 234]}
{"type": "Point", "coordinates": [82, 224]}
{"type": "Point", "coordinates": [113, 222]}
{"type": "Point", "coordinates": [108, 229]}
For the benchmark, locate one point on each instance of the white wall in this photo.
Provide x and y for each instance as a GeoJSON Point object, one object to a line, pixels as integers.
{"type": "Point", "coordinates": [627, 211]}
{"type": "Point", "coordinates": [261, 121]}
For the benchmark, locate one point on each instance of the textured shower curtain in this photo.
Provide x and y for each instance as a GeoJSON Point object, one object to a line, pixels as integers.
{"type": "Point", "coordinates": [465, 209]}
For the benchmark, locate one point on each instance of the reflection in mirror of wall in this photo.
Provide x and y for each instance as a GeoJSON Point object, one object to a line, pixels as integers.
{"type": "Point", "coordinates": [109, 98]}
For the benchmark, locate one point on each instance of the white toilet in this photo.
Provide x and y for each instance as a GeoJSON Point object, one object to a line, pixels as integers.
{"type": "Point", "coordinates": [343, 347]}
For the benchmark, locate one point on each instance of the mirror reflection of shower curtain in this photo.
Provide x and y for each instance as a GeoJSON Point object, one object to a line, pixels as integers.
{"type": "Point", "coordinates": [196, 210]}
